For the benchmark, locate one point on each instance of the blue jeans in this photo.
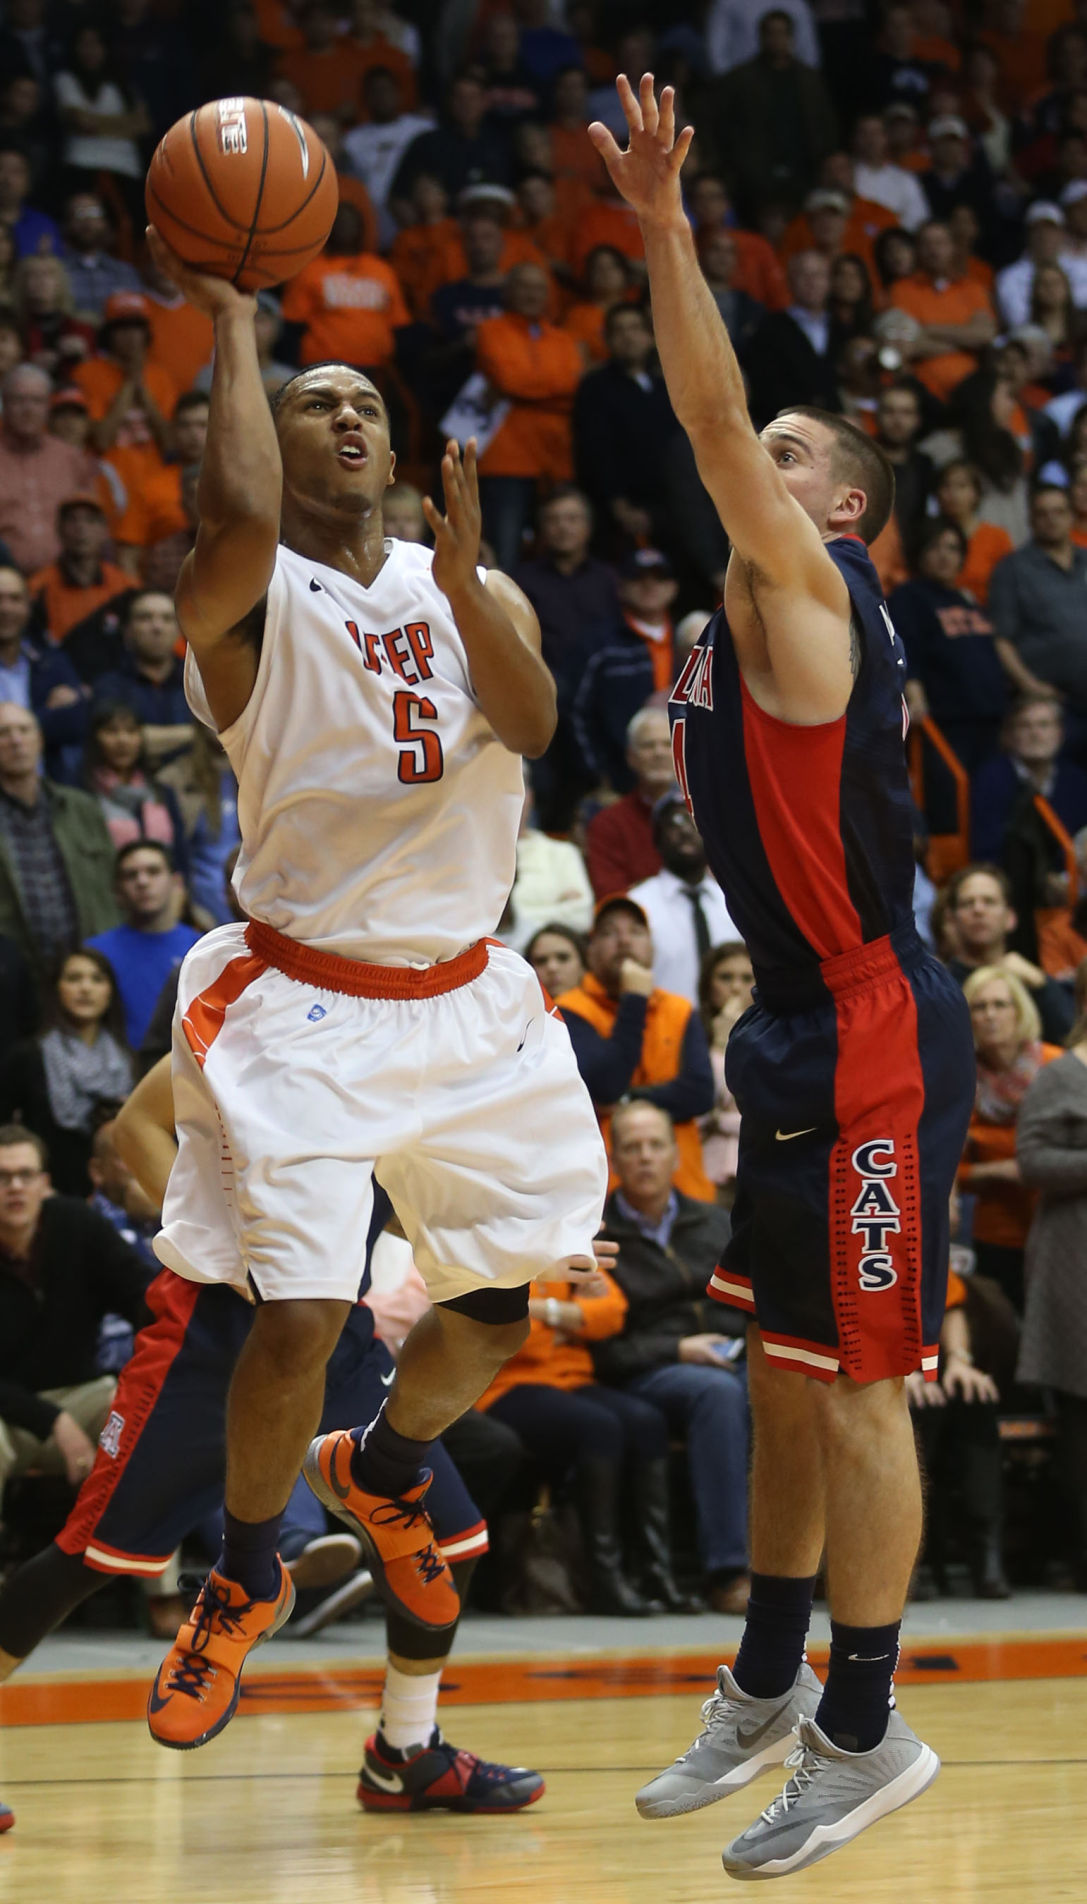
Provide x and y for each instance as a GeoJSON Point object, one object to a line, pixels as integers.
{"type": "Point", "coordinates": [708, 1406]}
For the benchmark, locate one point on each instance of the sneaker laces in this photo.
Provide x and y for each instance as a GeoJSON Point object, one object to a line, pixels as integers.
{"type": "Point", "coordinates": [805, 1764]}
{"type": "Point", "coordinates": [428, 1562]}
{"type": "Point", "coordinates": [192, 1675]}
{"type": "Point", "coordinates": [715, 1709]}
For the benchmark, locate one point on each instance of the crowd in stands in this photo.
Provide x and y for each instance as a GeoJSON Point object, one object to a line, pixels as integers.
{"type": "Point", "coordinates": [890, 204]}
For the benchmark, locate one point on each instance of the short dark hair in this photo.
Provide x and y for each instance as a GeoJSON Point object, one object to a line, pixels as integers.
{"type": "Point", "coordinates": [127, 605]}
{"type": "Point", "coordinates": [859, 457]}
{"type": "Point", "coordinates": [936, 526]}
{"type": "Point", "coordinates": [623, 309]}
{"type": "Point", "coordinates": [325, 363]}
{"type": "Point", "coordinates": [1050, 489]}
{"type": "Point", "coordinates": [191, 400]}
{"type": "Point", "coordinates": [124, 853]}
{"type": "Point", "coordinates": [12, 1134]}
{"type": "Point", "coordinates": [958, 880]}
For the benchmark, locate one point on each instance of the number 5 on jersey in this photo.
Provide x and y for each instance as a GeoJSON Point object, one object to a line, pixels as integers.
{"type": "Point", "coordinates": [421, 758]}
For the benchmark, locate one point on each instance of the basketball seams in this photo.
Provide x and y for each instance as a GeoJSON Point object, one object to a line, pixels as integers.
{"type": "Point", "coordinates": [260, 195]}
{"type": "Point", "coordinates": [270, 230]}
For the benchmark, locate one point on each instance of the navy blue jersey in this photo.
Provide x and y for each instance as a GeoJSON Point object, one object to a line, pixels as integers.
{"type": "Point", "coordinates": [809, 830]}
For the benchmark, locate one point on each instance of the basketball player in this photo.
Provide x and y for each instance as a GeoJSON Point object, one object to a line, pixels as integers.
{"type": "Point", "coordinates": [374, 700]}
{"type": "Point", "coordinates": [853, 1069]}
{"type": "Point", "coordinates": [159, 1472]}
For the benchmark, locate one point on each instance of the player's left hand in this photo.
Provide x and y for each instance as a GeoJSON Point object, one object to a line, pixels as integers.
{"type": "Point", "coordinates": [457, 533]}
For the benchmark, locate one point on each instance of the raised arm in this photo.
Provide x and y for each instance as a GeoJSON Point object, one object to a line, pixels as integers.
{"type": "Point", "coordinates": [805, 651]}
{"type": "Point", "coordinates": [238, 499]}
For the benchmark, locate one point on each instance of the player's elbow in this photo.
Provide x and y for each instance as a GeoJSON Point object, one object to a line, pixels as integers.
{"type": "Point", "coordinates": [529, 728]}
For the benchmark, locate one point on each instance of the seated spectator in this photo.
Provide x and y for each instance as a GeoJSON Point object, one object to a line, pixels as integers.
{"type": "Point", "coordinates": [958, 493]}
{"type": "Point", "coordinates": [758, 271]}
{"type": "Point", "coordinates": [1031, 762]}
{"type": "Point", "coordinates": [877, 178]}
{"type": "Point", "coordinates": [159, 564]}
{"type": "Point", "coordinates": [624, 671]}
{"type": "Point", "coordinates": [725, 986]}
{"type": "Point", "coordinates": [1051, 1151]}
{"type": "Point", "coordinates": [156, 510]}
{"type": "Point", "coordinates": [609, 1444]}
{"type": "Point", "coordinates": [62, 1268]}
{"type": "Point", "coordinates": [202, 783]}
{"type": "Point", "coordinates": [323, 68]}
{"type": "Point", "coordinates": [557, 956]}
{"type": "Point", "coordinates": [576, 164]}
{"type": "Point", "coordinates": [792, 356]}
{"type": "Point", "coordinates": [458, 307]}
{"type": "Point", "coordinates": [720, 267]}
{"type": "Point", "coordinates": [958, 173]}
{"type": "Point", "coordinates": [374, 150]}
{"type": "Point", "coordinates": [81, 579]}
{"type": "Point", "coordinates": [965, 228]}
{"type": "Point", "coordinates": [955, 673]}
{"type": "Point", "coordinates": [1053, 311]}
{"type": "Point", "coordinates": [1035, 597]}
{"type": "Point", "coordinates": [330, 131]}
{"type": "Point", "coordinates": [898, 427]}
{"type": "Point", "coordinates": [544, 225]}
{"type": "Point", "coordinates": [551, 883]}
{"type": "Point", "coordinates": [150, 678]}
{"type": "Point", "coordinates": [449, 260]}
{"type": "Point", "coordinates": [57, 1083]}
{"type": "Point", "coordinates": [133, 807]}
{"type": "Point", "coordinates": [402, 514]}
{"type": "Point", "coordinates": [622, 421]}
{"type": "Point", "coordinates": [1045, 241]}
{"type": "Point", "coordinates": [982, 919]}
{"type": "Point", "coordinates": [32, 230]}
{"type": "Point", "coordinates": [103, 120]}
{"type": "Point", "coordinates": [461, 150]}
{"type": "Point", "coordinates": [607, 219]}
{"type": "Point", "coordinates": [895, 256]}
{"type": "Point", "coordinates": [619, 847]}
{"type": "Point", "coordinates": [672, 1350]}
{"type": "Point", "coordinates": [632, 1040]}
{"type": "Point", "coordinates": [955, 316]}
{"type": "Point", "coordinates": [604, 288]}
{"type": "Point", "coordinates": [56, 857]}
{"type": "Point", "coordinates": [35, 677]}
{"type": "Point", "coordinates": [1010, 1053]}
{"type": "Point", "coordinates": [535, 368]}
{"type": "Point", "coordinates": [348, 301]}
{"type": "Point", "coordinates": [850, 304]}
{"type": "Point", "coordinates": [37, 471]}
{"type": "Point", "coordinates": [150, 941]}
{"type": "Point", "coordinates": [54, 338]}
{"type": "Point", "coordinates": [834, 221]}
{"type": "Point", "coordinates": [422, 242]}
{"type": "Point", "coordinates": [129, 398]}
{"type": "Point", "coordinates": [182, 338]}
{"type": "Point", "coordinates": [683, 903]}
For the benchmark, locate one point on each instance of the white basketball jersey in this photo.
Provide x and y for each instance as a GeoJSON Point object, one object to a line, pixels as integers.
{"type": "Point", "coordinates": [378, 811]}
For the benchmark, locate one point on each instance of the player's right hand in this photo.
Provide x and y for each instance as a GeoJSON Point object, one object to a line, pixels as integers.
{"type": "Point", "coordinates": [647, 173]}
{"type": "Point", "coordinates": [216, 297]}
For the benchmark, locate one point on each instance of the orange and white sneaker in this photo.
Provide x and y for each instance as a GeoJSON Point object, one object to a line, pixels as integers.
{"type": "Point", "coordinates": [197, 1687]}
{"type": "Point", "coordinates": [401, 1548]}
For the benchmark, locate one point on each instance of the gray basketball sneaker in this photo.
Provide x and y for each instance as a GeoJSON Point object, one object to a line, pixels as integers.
{"type": "Point", "coordinates": [829, 1798]}
{"type": "Point", "coordinates": [742, 1736]}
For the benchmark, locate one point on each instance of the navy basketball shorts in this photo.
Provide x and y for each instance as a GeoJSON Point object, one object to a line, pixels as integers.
{"type": "Point", "coordinates": [854, 1110]}
{"type": "Point", "coordinates": [161, 1461]}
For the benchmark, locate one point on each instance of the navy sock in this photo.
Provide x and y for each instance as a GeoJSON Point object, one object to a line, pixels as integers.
{"type": "Point", "coordinates": [249, 1555]}
{"type": "Point", "coordinates": [384, 1462]}
{"type": "Point", "coordinates": [778, 1616]}
{"type": "Point", "coordinates": [858, 1695]}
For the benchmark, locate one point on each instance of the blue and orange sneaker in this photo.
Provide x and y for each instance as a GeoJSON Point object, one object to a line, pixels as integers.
{"type": "Point", "coordinates": [441, 1777]}
{"type": "Point", "coordinates": [7, 1817]}
{"type": "Point", "coordinates": [197, 1687]}
{"type": "Point", "coordinates": [401, 1549]}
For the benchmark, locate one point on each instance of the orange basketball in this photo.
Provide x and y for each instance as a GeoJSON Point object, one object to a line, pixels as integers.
{"type": "Point", "coordinates": [243, 189]}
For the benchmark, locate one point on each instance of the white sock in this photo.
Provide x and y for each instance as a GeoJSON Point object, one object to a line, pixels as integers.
{"type": "Point", "coordinates": [409, 1707]}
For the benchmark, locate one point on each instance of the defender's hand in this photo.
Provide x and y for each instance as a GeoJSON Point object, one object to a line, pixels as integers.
{"type": "Point", "coordinates": [647, 173]}
{"type": "Point", "coordinates": [216, 297]}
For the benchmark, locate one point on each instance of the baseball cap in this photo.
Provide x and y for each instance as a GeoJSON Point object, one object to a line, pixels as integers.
{"type": "Point", "coordinates": [826, 200]}
{"type": "Point", "coordinates": [83, 499]}
{"type": "Point", "coordinates": [619, 902]}
{"type": "Point", "coordinates": [69, 397]}
{"type": "Point", "coordinates": [900, 109]}
{"type": "Point", "coordinates": [673, 798]}
{"type": "Point", "coordinates": [1042, 211]}
{"type": "Point", "coordinates": [1073, 192]}
{"type": "Point", "coordinates": [948, 126]}
{"type": "Point", "coordinates": [485, 197]}
{"type": "Point", "coordinates": [642, 562]}
{"type": "Point", "coordinates": [126, 307]}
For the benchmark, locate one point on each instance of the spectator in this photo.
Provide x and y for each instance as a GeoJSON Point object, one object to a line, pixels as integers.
{"type": "Point", "coordinates": [375, 148]}
{"type": "Point", "coordinates": [129, 398]}
{"type": "Point", "coordinates": [683, 903]}
{"type": "Point", "coordinates": [958, 174]}
{"type": "Point", "coordinates": [898, 426]}
{"type": "Point", "coordinates": [622, 421]}
{"type": "Point", "coordinates": [605, 287]}
{"type": "Point", "coordinates": [792, 356]}
{"type": "Point", "coordinates": [1045, 240]}
{"type": "Point", "coordinates": [329, 130]}
{"type": "Point", "coordinates": [758, 271]}
{"type": "Point", "coordinates": [671, 1351]}
{"type": "Point", "coordinates": [959, 493]}
{"type": "Point", "coordinates": [322, 68]}
{"type": "Point", "coordinates": [1051, 1150]}
{"type": "Point", "coordinates": [56, 860]}
{"type": "Point", "coordinates": [31, 229]}
{"type": "Point", "coordinates": [774, 117]}
{"type": "Point", "coordinates": [725, 987]}
{"type": "Point", "coordinates": [35, 677]}
{"type": "Point", "coordinates": [182, 338]}
{"type": "Point", "coordinates": [619, 846]}
{"type": "Point", "coordinates": [895, 256]}
{"type": "Point", "coordinates": [57, 1083]}
{"type": "Point", "coordinates": [150, 942]}
{"type": "Point", "coordinates": [62, 1268]}
{"type": "Point", "coordinates": [955, 674]}
{"type": "Point", "coordinates": [574, 162]}
{"type": "Point", "coordinates": [512, 89]}
{"type": "Point", "coordinates": [457, 308]}
{"type": "Point", "coordinates": [80, 580]}
{"type": "Point", "coordinates": [551, 883]}
{"type": "Point", "coordinates": [622, 674]}
{"type": "Point", "coordinates": [402, 514]}
{"type": "Point", "coordinates": [877, 178]}
{"type": "Point", "coordinates": [981, 914]}
{"type": "Point", "coordinates": [534, 367]}
{"type": "Point", "coordinates": [201, 783]}
{"type": "Point", "coordinates": [965, 229]}
{"type": "Point", "coordinates": [54, 338]}
{"type": "Point", "coordinates": [850, 301]}
{"type": "Point", "coordinates": [996, 437]}
{"type": "Point", "coordinates": [632, 1040]}
{"type": "Point", "coordinates": [719, 259]}
{"type": "Point", "coordinates": [1010, 1053]}
{"type": "Point", "coordinates": [1036, 601]}
{"type": "Point", "coordinates": [157, 509]}
{"type": "Point", "coordinates": [103, 121]}
{"type": "Point", "coordinates": [546, 228]}
{"type": "Point", "coordinates": [37, 472]}
{"type": "Point", "coordinates": [150, 678]}
{"type": "Point", "coordinates": [133, 807]}
{"type": "Point", "coordinates": [348, 302]}
{"type": "Point", "coordinates": [605, 1441]}
{"type": "Point", "coordinates": [1073, 256]}
{"type": "Point", "coordinates": [557, 956]}
{"type": "Point", "coordinates": [1030, 763]}
{"type": "Point", "coordinates": [955, 316]}
{"type": "Point", "coordinates": [461, 150]}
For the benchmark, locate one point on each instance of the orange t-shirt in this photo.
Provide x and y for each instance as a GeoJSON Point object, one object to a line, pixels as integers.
{"type": "Point", "coordinates": [448, 262]}
{"type": "Point", "coordinates": [353, 192]}
{"type": "Point", "coordinates": [605, 224]}
{"type": "Point", "coordinates": [537, 367]}
{"type": "Point", "coordinates": [585, 324]}
{"type": "Point", "coordinates": [1003, 1211]}
{"type": "Point", "coordinates": [275, 26]}
{"type": "Point", "coordinates": [865, 222]}
{"type": "Point", "coordinates": [350, 307]}
{"type": "Point", "coordinates": [987, 546]}
{"type": "Point", "coordinates": [155, 511]}
{"type": "Point", "coordinates": [574, 158]}
{"type": "Point", "coordinates": [552, 1358]}
{"type": "Point", "coordinates": [1061, 949]}
{"type": "Point", "coordinates": [951, 302]}
{"type": "Point", "coordinates": [64, 605]}
{"type": "Point", "coordinates": [414, 255]}
{"type": "Point", "coordinates": [758, 270]}
{"type": "Point", "coordinates": [381, 52]}
{"type": "Point", "coordinates": [328, 81]}
{"type": "Point", "coordinates": [182, 340]}
{"type": "Point", "coordinates": [889, 557]}
{"type": "Point", "coordinates": [135, 454]}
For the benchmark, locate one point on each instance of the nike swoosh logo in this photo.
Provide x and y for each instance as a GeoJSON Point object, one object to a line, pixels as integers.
{"type": "Point", "coordinates": [334, 1479]}
{"type": "Point", "coordinates": [386, 1784]}
{"type": "Point", "coordinates": [527, 1029]}
{"type": "Point", "coordinates": [156, 1704]}
{"type": "Point", "coordinates": [869, 1659]}
{"type": "Point", "coordinates": [387, 1380]}
{"type": "Point", "coordinates": [751, 1737]}
{"type": "Point", "coordinates": [786, 1137]}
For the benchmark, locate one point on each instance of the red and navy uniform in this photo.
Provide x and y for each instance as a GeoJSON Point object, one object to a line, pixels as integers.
{"type": "Point", "coordinates": [854, 1068]}
{"type": "Point", "coordinates": [161, 1458]}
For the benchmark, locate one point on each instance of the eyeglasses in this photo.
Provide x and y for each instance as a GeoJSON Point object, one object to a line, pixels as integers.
{"type": "Point", "coordinates": [8, 1178]}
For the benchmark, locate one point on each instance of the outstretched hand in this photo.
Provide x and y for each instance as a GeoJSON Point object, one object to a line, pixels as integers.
{"type": "Point", "coordinates": [647, 173]}
{"type": "Point", "coordinates": [457, 533]}
{"type": "Point", "coordinates": [214, 296]}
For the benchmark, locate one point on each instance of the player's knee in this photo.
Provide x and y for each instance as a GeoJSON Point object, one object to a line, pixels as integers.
{"type": "Point", "coordinates": [295, 1336]}
{"type": "Point", "coordinates": [494, 1321]}
{"type": "Point", "coordinates": [850, 1411]}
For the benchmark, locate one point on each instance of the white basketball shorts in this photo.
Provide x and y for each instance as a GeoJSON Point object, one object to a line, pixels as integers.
{"type": "Point", "coordinates": [298, 1074]}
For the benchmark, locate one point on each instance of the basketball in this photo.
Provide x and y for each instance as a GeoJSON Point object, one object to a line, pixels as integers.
{"type": "Point", "coordinates": [243, 189]}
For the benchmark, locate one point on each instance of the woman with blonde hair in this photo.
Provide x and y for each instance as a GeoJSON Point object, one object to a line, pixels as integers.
{"type": "Point", "coordinates": [1010, 1054]}
{"type": "Point", "coordinates": [53, 336]}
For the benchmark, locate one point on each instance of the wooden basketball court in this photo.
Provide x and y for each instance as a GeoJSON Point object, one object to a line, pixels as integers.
{"type": "Point", "coordinates": [267, 1813]}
